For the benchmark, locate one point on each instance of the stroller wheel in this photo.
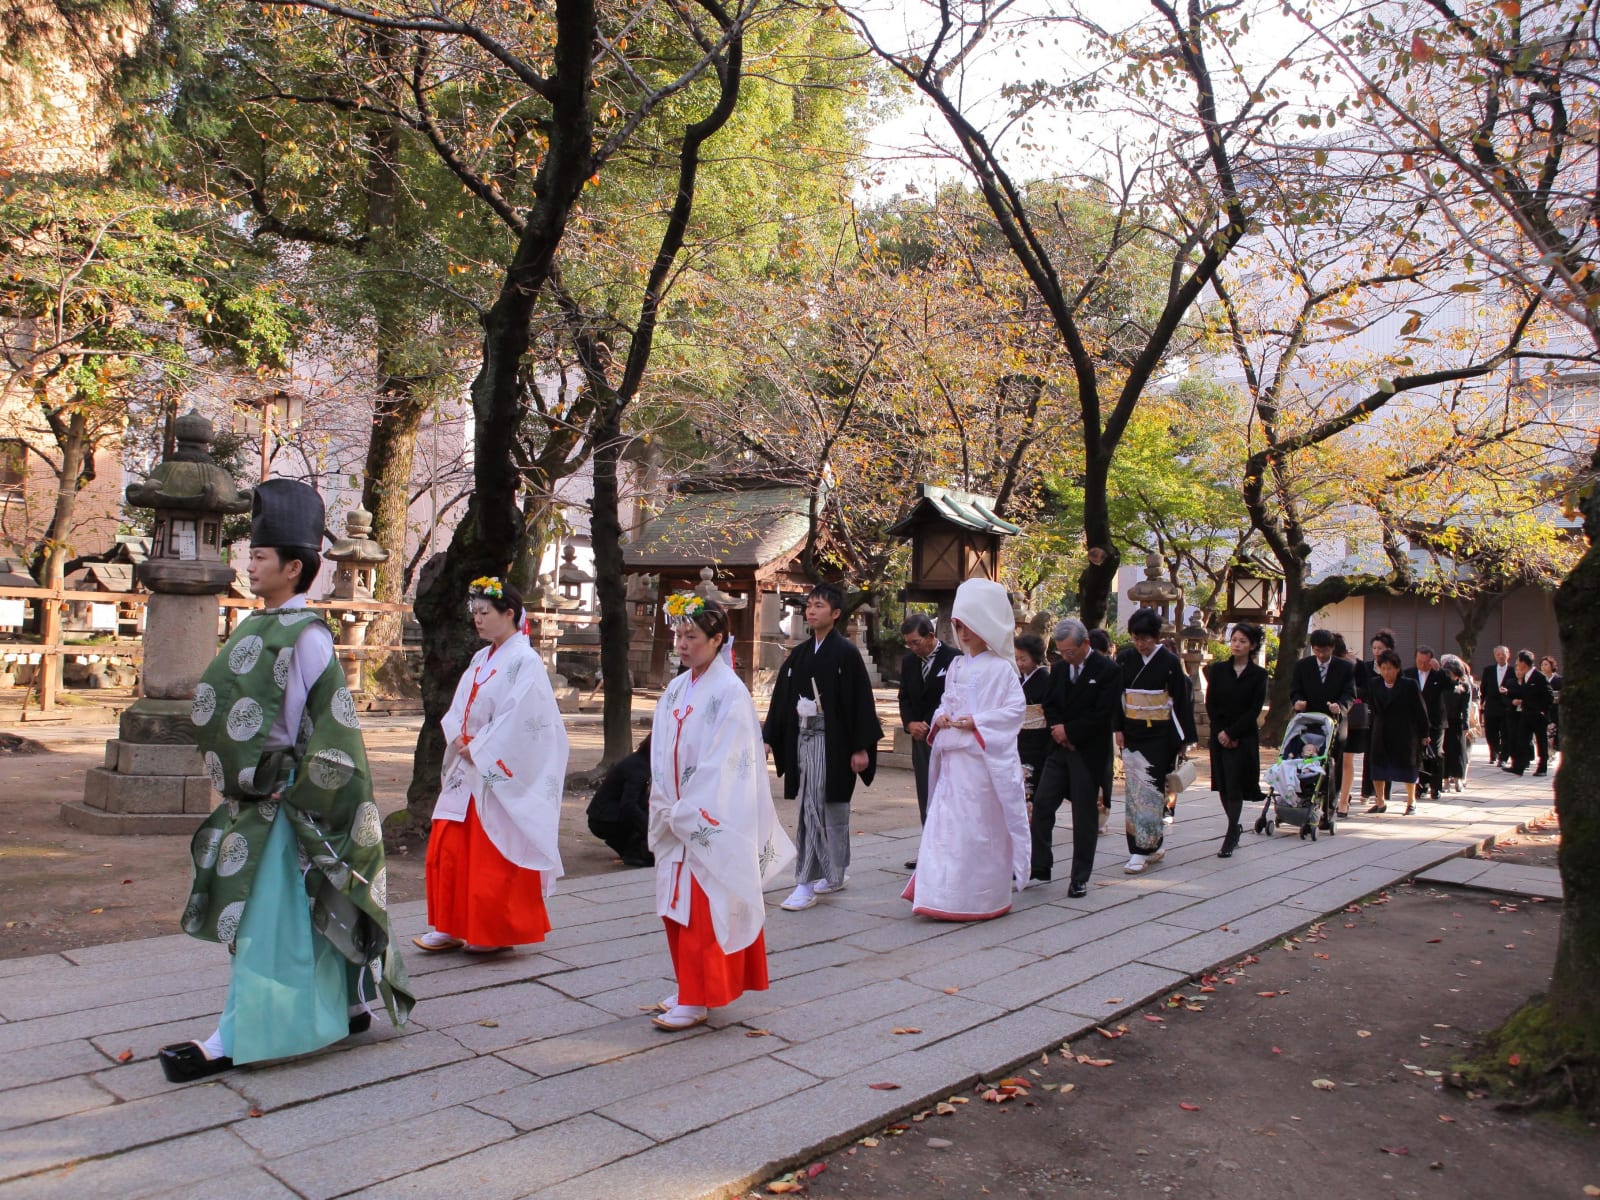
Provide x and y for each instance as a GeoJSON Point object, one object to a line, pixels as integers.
{"type": "Point", "coordinates": [1261, 824]}
{"type": "Point", "coordinates": [1270, 827]}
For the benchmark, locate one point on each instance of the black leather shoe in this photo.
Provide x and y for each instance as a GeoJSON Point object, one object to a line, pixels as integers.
{"type": "Point", "coordinates": [360, 1023]}
{"type": "Point", "coordinates": [1038, 878]}
{"type": "Point", "coordinates": [1230, 842]}
{"type": "Point", "coordinates": [1077, 891]}
{"type": "Point", "coordinates": [184, 1062]}
{"type": "Point", "coordinates": [1544, 769]}
{"type": "Point", "coordinates": [912, 865]}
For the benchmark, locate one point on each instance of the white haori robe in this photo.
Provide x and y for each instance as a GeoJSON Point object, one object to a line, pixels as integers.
{"type": "Point", "coordinates": [711, 811]}
{"type": "Point", "coordinates": [976, 844]}
{"type": "Point", "coordinates": [515, 764]}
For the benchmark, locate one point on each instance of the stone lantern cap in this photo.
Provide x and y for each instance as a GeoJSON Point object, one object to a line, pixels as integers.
{"type": "Point", "coordinates": [707, 587]}
{"type": "Point", "coordinates": [357, 546]}
{"type": "Point", "coordinates": [1153, 591]}
{"type": "Point", "coordinates": [190, 481]}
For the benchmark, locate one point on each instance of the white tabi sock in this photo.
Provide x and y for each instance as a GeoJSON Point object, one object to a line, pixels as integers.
{"type": "Point", "coordinates": [212, 1046]}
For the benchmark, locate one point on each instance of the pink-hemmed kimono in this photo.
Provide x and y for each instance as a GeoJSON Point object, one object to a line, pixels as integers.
{"type": "Point", "coordinates": [976, 845]}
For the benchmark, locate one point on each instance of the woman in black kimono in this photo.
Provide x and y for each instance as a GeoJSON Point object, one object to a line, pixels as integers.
{"type": "Point", "coordinates": [1400, 730]}
{"type": "Point", "coordinates": [1033, 740]}
{"type": "Point", "coordinates": [1156, 720]}
{"type": "Point", "coordinates": [1457, 722]}
{"type": "Point", "coordinates": [1235, 693]}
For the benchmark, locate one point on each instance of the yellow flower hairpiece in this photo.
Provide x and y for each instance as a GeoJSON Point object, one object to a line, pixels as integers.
{"type": "Point", "coordinates": [486, 585]}
{"type": "Point", "coordinates": [680, 606]}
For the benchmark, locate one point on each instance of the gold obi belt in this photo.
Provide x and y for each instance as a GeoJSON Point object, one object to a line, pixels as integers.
{"type": "Point", "coordinates": [1138, 705]}
{"type": "Point", "coordinates": [1033, 716]}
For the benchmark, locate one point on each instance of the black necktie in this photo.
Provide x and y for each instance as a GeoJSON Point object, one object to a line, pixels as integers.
{"type": "Point", "coordinates": [1075, 669]}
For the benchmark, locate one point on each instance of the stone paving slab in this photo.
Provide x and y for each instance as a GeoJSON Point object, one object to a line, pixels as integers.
{"type": "Point", "coordinates": [1512, 879]}
{"type": "Point", "coordinates": [535, 1073]}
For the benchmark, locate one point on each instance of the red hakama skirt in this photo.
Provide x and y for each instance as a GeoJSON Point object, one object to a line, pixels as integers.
{"type": "Point", "coordinates": [706, 975]}
{"type": "Point", "coordinates": [476, 893]}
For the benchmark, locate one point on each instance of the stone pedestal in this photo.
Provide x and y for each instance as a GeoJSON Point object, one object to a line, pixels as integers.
{"type": "Point", "coordinates": [153, 780]}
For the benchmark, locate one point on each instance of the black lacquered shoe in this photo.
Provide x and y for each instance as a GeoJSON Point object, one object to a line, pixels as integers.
{"type": "Point", "coordinates": [184, 1062]}
{"type": "Point", "coordinates": [360, 1023]}
{"type": "Point", "coordinates": [1077, 891]}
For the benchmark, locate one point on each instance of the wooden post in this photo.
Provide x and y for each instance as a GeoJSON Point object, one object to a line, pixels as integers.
{"type": "Point", "coordinates": [48, 678]}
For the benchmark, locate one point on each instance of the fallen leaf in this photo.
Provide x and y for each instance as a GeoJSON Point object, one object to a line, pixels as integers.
{"type": "Point", "coordinates": [256, 1112]}
{"type": "Point", "coordinates": [884, 1087]}
{"type": "Point", "coordinates": [1068, 1087]}
{"type": "Point", "coordinates": [1590, 1189]}
{"type": "Point", "coordinates": [1115, 1000]}
{"type": "Point", "coordinates": [1397, 1151]}
{"type": "Point", "coordinates": [937, 1143]}
{"type": "Point", "coordinates": [1363, 1033]}
{"type": "Point", "coordinates": [1012, 1081]}
{"type": "Point", "coordinates": [1515, 1060]}
{"type": "Point", "coordinates": [779, 1187]}
{"type": "Point", "coordinates": [1095, 1062]}
{"type": "Point", "coordinates": [871, 1143]}
{"type": "Point", "coordinates": [489, 1023]}
{"type": "Point", "coordinates": [1447, 1119]}
{"type": "Point", "coordinates": [1109, 1033]}
{"type": "Point", "coordinates": [945, 1109]}
{"type": "Point", "coordinates": [1434, 941]}
{"type": "Point", "coordinates": [1324, 1085]}
{"type": "Point", "coordinates": [1188, 1107]}
{"type": "Point", "coordinates": [125, 1056]}
{"type": "Point", "coordinates": [815, 1169]}
{"type": "Point", "coordinates": [1275, 1050]}
{"type": "Point", "coordinates": [951, 991]}
{"type": "Point", "coordinates": [908, 1029]}
{"type": "Point", "coordinates": [758, 1033]}
{"type": "Point", "coordinates": [1266, 995]}
{"type": "Point", "coordinates": [1153, 1017]}
{"type": "Point", "coordinates": [995, 1096]}
{"type": "Point", "coordinates": [1320, 954]}
{"type": "Point", "coordinates": [97, 911]}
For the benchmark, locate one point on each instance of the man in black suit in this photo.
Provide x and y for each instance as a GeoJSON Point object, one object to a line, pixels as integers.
{"type": "Point", "coordinates": [922, 673]}
{"type": "Point", "coordinates": [1528, 702]}
{"type": "Point", "coordinates": [1083, 697]}
{"type": "Point", "coordinates": [1325, 684]}
{"type": "Point", "coordinates": [1498, 677]}
{"type": "Point", "coordinates": [1433, 683]}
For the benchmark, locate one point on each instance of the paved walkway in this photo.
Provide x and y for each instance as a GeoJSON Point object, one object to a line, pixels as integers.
{"type": "Point", "coordinates": [536, 1074]}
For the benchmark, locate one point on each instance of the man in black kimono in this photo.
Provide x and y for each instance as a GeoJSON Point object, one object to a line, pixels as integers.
{"type": "Point", "coordinates": [1498, 678]}
{"type": "Point", "coordinates": [922, 673]}
{"type": "Point", "coordinates": [1324, 683]}
{"type": "Point", "coordinates": [1433, 684]}
{"type": "Point", "coordinates": [823, 730]}
{"type": "Point", "coordinates": [1079, 709]}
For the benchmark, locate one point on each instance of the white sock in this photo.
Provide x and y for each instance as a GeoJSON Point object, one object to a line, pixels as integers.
{"type": "Point", "coordinates": [212, 1046]}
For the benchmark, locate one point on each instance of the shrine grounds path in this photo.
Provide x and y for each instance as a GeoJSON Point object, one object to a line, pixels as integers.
{"type": "Point", "coordinates": [536, 1073]}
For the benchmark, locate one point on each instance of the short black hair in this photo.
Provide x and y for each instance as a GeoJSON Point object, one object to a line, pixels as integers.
{"type": "Point", "coordinates": [1145, 622]}
{"type": "Point", "coordinates": [1340, 649]}
{"type": "Point", "coordinates": [1322, 637]}
{"type": "Point", "coordinates": [918, 624]}
{"type": "Point", "coordinates": [1387, 656]}
{"type": "Point", "coordinates": [1100, 640]}
{"type": "Point", "coordinates": [310, 563]}
{"type": "Point", "coordinates": [1428, 650]}
{"type": "Point", "coordinates": [1525, 656]}
{"type": "Point", "coordinates": [1253, 632]}
{"type": "Point", "coordinates": [832, 593]}
{"type": "Point", "coordinates": [1030, 644]}
{"type": "Point", "coordinates": [1386, 636]}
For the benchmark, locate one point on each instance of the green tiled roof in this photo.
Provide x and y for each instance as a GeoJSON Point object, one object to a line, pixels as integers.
{"type": "Point", "coordinates": [966, 509]}
{"type": "Point", "coordinates": [744, 528]}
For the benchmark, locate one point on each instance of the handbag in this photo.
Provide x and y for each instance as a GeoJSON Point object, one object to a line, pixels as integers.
{"type": "Point", "coordinates": [1180, 777]}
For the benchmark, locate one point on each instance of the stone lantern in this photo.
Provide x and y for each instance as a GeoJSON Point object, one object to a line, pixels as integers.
{"type": "Point", "coordinates": [1156, 592]}
{"type": "Point", "coordinates": [355, 557]}
{"type": "Point", "coordinates": [153, 780]}
{"type": "Point", "coordinates": [572, 577]}
{"type": "Point", "coordinates": [1255, 590]}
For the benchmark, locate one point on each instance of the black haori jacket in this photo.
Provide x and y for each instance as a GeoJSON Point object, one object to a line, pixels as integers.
{"type": "Point", "coordinates": [850, 718]}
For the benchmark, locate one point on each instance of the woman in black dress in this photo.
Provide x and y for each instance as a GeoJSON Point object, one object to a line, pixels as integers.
{"type": "Point", "coordinates": [1156, 721]}
{"type": "Point", "coordinates": [1235, 693]}
{"type": "Point", "coordinates": [1457, 722]}
{"type": "Point", "coordinates": [1551, 670]}
{"type": "Point", "coordinates": [1353, 726]}
{"type": "Point", "coordinates": [1033, 740]}
{"type": "Point", "coordinates": [1400, 729]}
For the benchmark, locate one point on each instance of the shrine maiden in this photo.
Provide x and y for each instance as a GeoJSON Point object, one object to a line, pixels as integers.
{"type": "Point", "coordinates": [492, 853]}
{"type": "Point", "coordinates": [713, 828]}
{"type": "Point", "coordinates": [976, 845]}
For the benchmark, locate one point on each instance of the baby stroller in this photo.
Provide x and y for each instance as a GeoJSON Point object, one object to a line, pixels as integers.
{"type": "Point", "coordinates": [1300, 783]}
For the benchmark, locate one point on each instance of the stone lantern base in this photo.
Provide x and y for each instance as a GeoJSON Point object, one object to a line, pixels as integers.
{"type": "Point", "coordinates": [153, 780]}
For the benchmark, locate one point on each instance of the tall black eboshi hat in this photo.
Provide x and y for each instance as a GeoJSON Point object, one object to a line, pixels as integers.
{"type": "Point", "coordinates": [286, 515]}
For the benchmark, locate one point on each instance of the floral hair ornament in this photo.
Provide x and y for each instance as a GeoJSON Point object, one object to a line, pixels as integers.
{"type": "Point", "coordinates": [486, 585]}
{"type": "Point", "coordinates": [681, 606]}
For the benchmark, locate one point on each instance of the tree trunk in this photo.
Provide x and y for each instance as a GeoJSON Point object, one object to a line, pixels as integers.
{"type": "Point", "coordinates": [486, 540]}
{"type": "Point", "coordinates": [1098, 582]}
{"type": "Point", "coordinates": [1475, 614]}
{"type": "Point", "coordinates": [51, 563]}
{"type": "Point", "coordinates": [1297, 613]}
{"type": "Point", "coordinates": [387, 496]}
{"type": "Point", "coordinates": [610, 587]}
{"type": "Point", "coordinates": [1574, 995]}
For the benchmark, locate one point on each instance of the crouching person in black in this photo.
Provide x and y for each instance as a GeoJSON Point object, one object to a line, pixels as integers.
{"type": "Point", "coordinates": [619, 814]}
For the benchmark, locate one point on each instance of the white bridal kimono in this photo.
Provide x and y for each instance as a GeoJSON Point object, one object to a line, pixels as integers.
{"type": "Point", "coordinates": [518, 749]}
{"type": "Point", "coordinates": [976, 845]}
{"type": "Point", "coordinates": [711, 811]}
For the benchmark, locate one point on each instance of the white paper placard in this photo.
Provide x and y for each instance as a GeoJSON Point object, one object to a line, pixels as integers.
{"type": "Point", "coordinates": [12, 612]}
{"type": "Point", "coordinates": [103, 616]}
